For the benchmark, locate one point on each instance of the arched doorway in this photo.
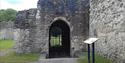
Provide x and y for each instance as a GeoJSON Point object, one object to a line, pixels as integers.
{"type": "Point", "coordinates": [59, 39]}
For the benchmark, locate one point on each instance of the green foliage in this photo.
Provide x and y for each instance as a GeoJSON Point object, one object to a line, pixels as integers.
{"type": "Point", "coordinates": [7, 15]}
{"type": "Point", "coordinates": [56, 41]}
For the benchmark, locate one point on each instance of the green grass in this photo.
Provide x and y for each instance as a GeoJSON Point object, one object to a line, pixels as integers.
{"type": "Point", "coordinates": [6, 44]}
{"type": "Point", "coordinates": [12, 57]}
{"type": "Point", "coordinates": [98, 59]}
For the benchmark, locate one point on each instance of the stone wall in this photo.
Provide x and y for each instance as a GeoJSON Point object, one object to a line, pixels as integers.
{"type": "Point", "coordinates": [73, 12]}
{"type": "Point", "coordinates": [107, 22]}
{"type": "Point", "coordinates": [6, 30]}
{"type": "Point", "coordinates": [25, 31]}
{"type": "Point", "coordinates": [32, 26]}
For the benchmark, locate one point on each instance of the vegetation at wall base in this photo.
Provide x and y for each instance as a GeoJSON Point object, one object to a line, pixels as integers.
{"type": "Point", "coordinates": [14, 58]}
{"type": "Point", "coordinates": [6, 44]}
{"type": "Point", "coordinates": [10, 56]}
{"type": "Point", "coordinates": [98, 59]}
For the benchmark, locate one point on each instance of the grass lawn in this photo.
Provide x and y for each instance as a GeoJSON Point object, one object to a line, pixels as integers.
{"type": "Point", "coordinates": [98, 59]}
{"type": "Point", "coordinates": [6, 45]}
{"type": "Point", "coordinates": [24, 58]}
{"type": "Point", "coordinates": [12, 57]}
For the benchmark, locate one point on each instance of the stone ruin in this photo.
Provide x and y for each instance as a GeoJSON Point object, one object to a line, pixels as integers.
{"type": "Point", "coordinates": [34, 25]}
{"type": "Point", "coordinates": [79, 20]}
{"type": "Point", "coordinates": [6, 30]}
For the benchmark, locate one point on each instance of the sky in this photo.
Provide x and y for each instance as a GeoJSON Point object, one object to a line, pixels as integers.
{"type": "Point", "coordinates": [18, 4]}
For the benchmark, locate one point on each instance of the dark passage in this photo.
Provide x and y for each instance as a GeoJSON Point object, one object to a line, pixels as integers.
{"type": "Point", "coordinates": [59, 40]}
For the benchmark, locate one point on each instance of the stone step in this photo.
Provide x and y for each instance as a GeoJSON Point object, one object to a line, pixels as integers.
{"type": "Point", "coordinates": [58, 60]}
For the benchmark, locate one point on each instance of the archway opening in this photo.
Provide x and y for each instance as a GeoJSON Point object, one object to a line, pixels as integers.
{"type": "Point", "coordinates": [59, 39]}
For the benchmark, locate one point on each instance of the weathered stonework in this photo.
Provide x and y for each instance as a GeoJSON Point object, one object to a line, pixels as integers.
{"type": "Point", "coordinates": [95, 18]}
{"type": "Point", "coordinates": [107, 22]}
{"type": "Point", "coordinates": [6, 30]}
{"type": "Point", "coordinates": [25, 31]}
{"type": "Point", "coordinates": [33, 25]}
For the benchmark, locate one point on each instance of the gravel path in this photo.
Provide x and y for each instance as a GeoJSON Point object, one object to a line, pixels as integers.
{"type": "Point", "coordinates": [3, 53]}
{"type": "Point", "coordinates": [58, 60]}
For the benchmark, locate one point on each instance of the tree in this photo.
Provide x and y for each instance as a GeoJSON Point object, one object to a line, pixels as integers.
{"type": "Point", "coordinates": [7, 15]}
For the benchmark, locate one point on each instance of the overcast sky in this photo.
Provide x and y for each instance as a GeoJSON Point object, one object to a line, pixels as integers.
{"type": "Point", "coordinates": [18, 4]}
